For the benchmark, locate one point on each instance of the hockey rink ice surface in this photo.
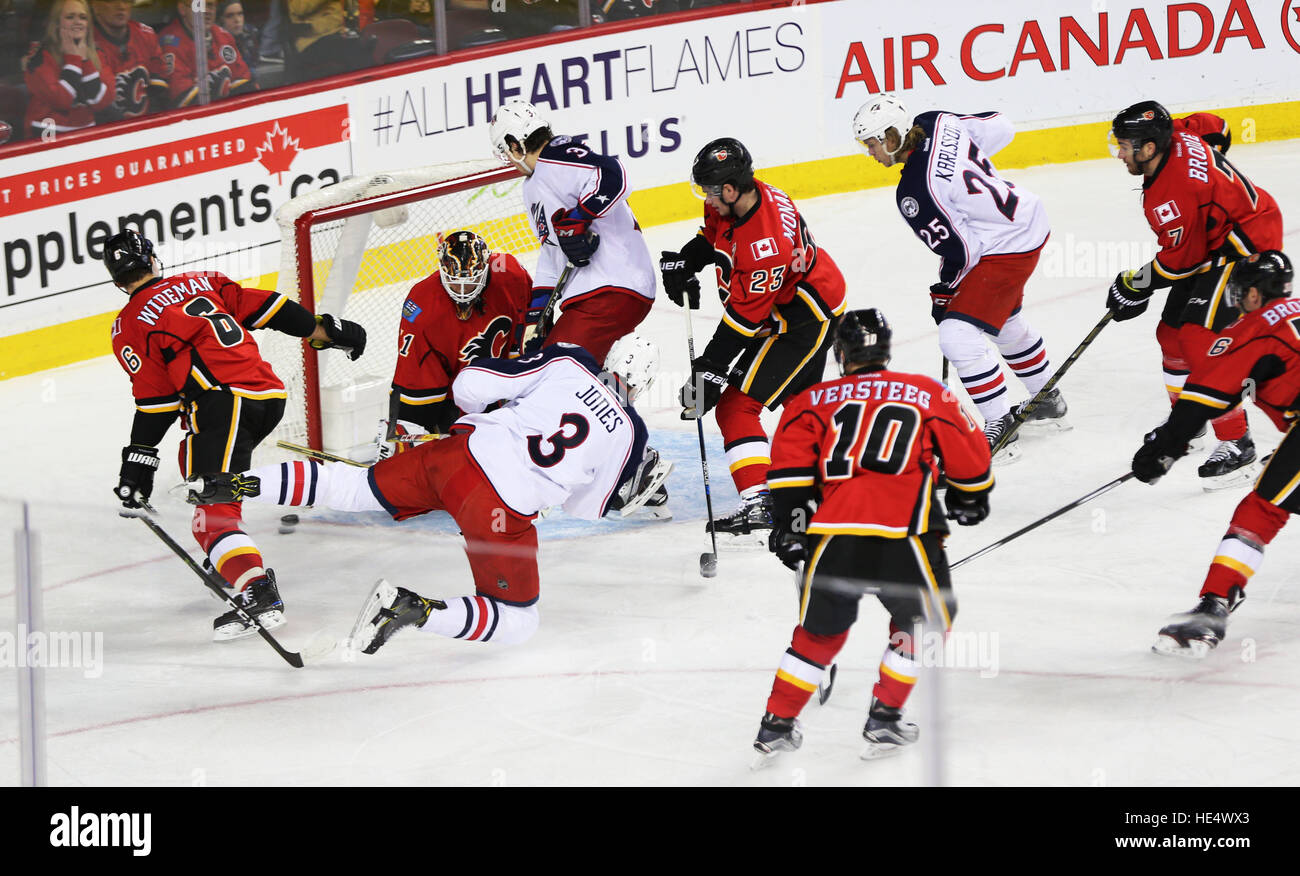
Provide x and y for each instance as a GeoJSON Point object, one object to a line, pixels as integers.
{"type": "Point", "coordinates": [644, 673]}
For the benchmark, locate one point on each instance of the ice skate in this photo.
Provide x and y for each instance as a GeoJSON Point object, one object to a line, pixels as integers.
{"type": "Point", "coordinates": [1047, 415]}
{"type": "Point", "coordinates": [646, 486]}
{"type": "Point", "coordinates": [261, 600]}
{"type": "Point", "coordinates": [775, 735]}
{"type": "Point", "coordinates": [387, 610]}
{"type": "Point", "coordinates": [1197, 632]}
{"type": "Point", "coordinates": [993, 432]}
{"type": "Point", "coordinates": [753, 516]}
{"type": "Point", "coordinates": [886, 733]}
{"type": "Point", "coordinates": [1230, 465]}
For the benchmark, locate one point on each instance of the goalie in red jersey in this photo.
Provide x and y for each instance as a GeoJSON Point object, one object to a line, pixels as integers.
{"type": "Point", "coordinates": [866, 449]}
{"type": "Point", "coordinates": [1207, 215]}
{"type": "Point", "coordinates": [781, 293]}
{"type": "Point", "coordinates": [186, 343]}
{"type": "Point", "coordinates": [1257, 356]}
{"type": "Point", "coordinates": [474, 306]}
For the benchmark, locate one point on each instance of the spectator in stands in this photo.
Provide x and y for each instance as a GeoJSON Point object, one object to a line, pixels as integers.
{"type": "Point", "coordinates": [230, 15]}
{"type": "Point", "coordinates": [141, 78]}
{"type": "Point", "coordinates": [320, 41]}
{"type": "Point", "coordinates": [228, 74]}
{"type": "Point", "coordinates": [68, 77]}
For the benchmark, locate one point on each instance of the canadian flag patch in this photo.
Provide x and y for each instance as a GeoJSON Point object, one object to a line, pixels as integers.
{"type": "Point", "coordinates": [764, 249]}
{"type": "Point", "coordinates": [1167, 212]}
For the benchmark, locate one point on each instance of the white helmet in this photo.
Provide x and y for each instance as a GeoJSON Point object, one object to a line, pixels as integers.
{"type": "Point", "coordinates": [878, 115]}
{"type": "Point", "coordinates": [636, 361]}
{"type": "Point", "coordinates": [515, 118]}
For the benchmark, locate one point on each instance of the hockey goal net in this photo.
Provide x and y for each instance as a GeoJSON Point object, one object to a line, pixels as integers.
{"type": "Point", "coordinates": [354, 250]}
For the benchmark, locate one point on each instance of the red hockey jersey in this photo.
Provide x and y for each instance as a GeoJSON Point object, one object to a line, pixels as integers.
{"type": "Point", "coordinates": [227, 72]}
{"type": "Point", "coordinates": [865, 447]}
{"type": "Point", "coordinates": [773, 273]}
{"type": "Point", "coordinates": [1200, 205]}
{"type": "Point", "coordinates": [434, 343]}
{"type": "Point", "coordinates": [1258, 355]}
{"type": "Point", "coordinates": [181, 336]}
{"type": "Point", "coordinates": [139, 66]}
{"type": "Point", "coordinates": [66, 91]}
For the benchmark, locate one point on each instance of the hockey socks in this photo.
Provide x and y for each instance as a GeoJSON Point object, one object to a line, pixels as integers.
{"type": "Point", "coordinates": [340, 487]}
{"type": "Point", "coordinates": [977, 365]}
{"type": "Point", "coordinates": [1255, 523]}
{"type": "Point", "coordinates": [230, 551]}
{"type": "Point", "coordinates": [898, 670]}
{"type": "Point", "coordinates": [484, 619]}
{"type": "Point", "coordinates": [1024, 351]}
{"type": "Point", "coordinates": [801, 670]}
{"type": "Point", "coordinates": [748, 451]}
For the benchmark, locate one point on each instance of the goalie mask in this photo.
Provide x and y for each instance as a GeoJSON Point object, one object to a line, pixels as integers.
{"type": "Point", "coordinates": [1270, 272]}
{"type": "Point", "coordinates": [463, 262]}
{"type": "Point", "coordinates": [877, 116]}
{"type": "Point", "coordinates": [636, 362]}
{"type": "Point", "coordinates": [517, 119]}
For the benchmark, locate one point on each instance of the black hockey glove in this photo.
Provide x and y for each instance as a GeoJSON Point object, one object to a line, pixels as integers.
{"type": "Point", "coordinates": [1156, 456]}
{"type": "Point", "coordinates": [135, 479]}
{"type": "Point", "coordinates": [790, 547]}
{"type": "Point", "coordinates": [967, 509]}
{"type": "Point", "coordinates": [941, 296]}
{"type": "Point", "coordinates": [344, 334]}
{"type": "Point", "coordinates": [1124, 299]}
{"type": "Point", "coordinates": [680, 283]}
{"type": "Point", "coordinates": [573, 231]}
{"type": "Point", "coordinates": [711, 380]}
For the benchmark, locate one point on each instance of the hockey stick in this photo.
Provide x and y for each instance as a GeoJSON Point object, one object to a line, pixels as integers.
{"type": "Point", "coordinates": [1051, 384]}
{"type": "Point", "coordinates": [708, 562]}
{"type": "Point", "coordinates": [827, 684]}
{"type": "Point", "coordinates": [1040, 521]}
{"type": "Point", "coordinates": [544, 319]}
{"type": "Point", "coordinates": [217, 585]}
{"type": "Point", "coordinates": [318, 455]}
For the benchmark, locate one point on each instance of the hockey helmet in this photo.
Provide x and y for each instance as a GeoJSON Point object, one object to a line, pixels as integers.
{"type": "Point", "coordinates": [878, 115]}
{"type": "Point", "coordinates": [721, 161]}
{"type": "Point", "coordinates": [1142, 122]}
{"type": "Point", "coordinates": [636, 362]}
{"type": "Point", "coordinates": [127, 255]}
{"type": "Point", "coordinates": [515, 119]}
{"type": "Point", "coordinates": [862, 337]}
{"type": "Point", "coordinates": [463, 262]}
{"type": "Point", "coordinates": [1269, 271]}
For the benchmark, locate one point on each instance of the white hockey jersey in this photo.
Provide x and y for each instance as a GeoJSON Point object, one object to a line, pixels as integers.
{"type": "Point", "coordinates": [562, 438]}
{"type": "Point", "coordinates": [570, 175]}
{"type": "Point", "coordinates": [956, 202]}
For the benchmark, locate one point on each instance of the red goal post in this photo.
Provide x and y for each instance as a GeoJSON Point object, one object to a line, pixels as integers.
{"type": "Point", "coordinates": [354, 249]}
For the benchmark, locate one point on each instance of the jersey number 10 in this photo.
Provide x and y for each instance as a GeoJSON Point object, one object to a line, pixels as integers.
{"type": "Point", "coordinates": [891, 433]}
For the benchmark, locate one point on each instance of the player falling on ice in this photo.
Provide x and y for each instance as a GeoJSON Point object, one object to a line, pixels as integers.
{"type": "Point", "coordinates": [1206, 215]}
{"type": "Point", "coordinates": [475, 306]}
{"type": "Point", "coordinates": [1257, 356]}
{"type": "Point", "coordinates": [866, 449]}
{"type": "Point", "coordinates": [988, 233]}
{"type": "Point", "coordinates": [565, 436]}
{"type": "Point", "coordinates": [780, 293]}
{"type": "Point", "coordinates": [186, 343]}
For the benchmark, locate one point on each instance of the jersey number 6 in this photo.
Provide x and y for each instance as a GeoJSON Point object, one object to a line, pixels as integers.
{"type": "Point", "coordinates": [224, 326]}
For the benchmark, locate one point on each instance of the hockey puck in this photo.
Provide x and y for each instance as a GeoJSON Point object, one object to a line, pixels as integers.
{"type": "Point", "coordinates": [289, 520]}
{"type": "Point", "coordinates": [708, 565]}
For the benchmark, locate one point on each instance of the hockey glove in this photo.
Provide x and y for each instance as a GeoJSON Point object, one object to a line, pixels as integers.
{"type": "Point", "coordinates": [790, 547]}
{"type": "Point", "coordinates": [700, 394]}
{"type": "Point", "coordinates": [680, 283]}
{"type": "Point", "coordinates": [1155, 457]}
{"type": "Point", "coordinates": [573, 231]}
{"type": "Point", "coordinates": [135, 479]}
{"type": "Point", "coordinates": [222, 487]}
{"type": "Point", "coordinates": [941, 296]}
{"type": "Point", "coordinates": [967, 509]}
{"type": "Point", "coordinates": [405, 436]}
{"type": "Point", "coordinates": [343, 334]}
{"type": "Point", "coordinates": [1124, 299]}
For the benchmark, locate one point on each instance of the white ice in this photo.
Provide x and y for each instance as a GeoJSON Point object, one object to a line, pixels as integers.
{"type": "Point", "coordinates": [645, 673]}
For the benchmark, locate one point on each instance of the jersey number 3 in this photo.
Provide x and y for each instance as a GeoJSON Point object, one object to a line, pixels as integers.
{"type": "Point", "coordinates": [559, 441]}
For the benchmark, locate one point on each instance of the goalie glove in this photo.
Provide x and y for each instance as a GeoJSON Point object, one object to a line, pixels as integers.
{"type": "Point", "coordinates": [342, 334]}
{"type": "Point", "coordinates": [1124, 299]}
{"type": "Point", "coordinates": [135, 479]}
{"type": "Point", "coordinates": [574, 234]}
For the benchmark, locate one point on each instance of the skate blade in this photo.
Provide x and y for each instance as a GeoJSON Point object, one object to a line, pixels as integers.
{"type": "Point", "coordinates": [744, 540]}
{"type": "Point", "coordinates": [881, 750]}
{"type": "Point", "coordinates": [271, 620]}
{"type": "Point", "coordinates": [1196, 649]}
{"type": "Point", "coordinates": [657, 478]}
{"type": "Point", "coordinates": [1058, 424]}
{"type": "Point", "coordinates": [1238, 478]}
{"type": "Point", "coordinates": [1009, 455]}
{"type": "Point", "coordinates": [656, 512]}
{"type": "Point", "coordinates": [363, 631]}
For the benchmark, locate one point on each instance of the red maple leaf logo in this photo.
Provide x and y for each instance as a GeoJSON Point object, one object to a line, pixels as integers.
{"type": "Point", "coordinates": [276, 157]}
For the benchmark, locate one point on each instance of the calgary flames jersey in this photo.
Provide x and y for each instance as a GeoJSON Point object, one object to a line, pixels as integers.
{"type": "Point", "coordinates": [1259, 352]}
{"type": "Point", "coordinates": [183, 335]}
{"type": "Point", "coordinates": [1200, 205]}
{"type": "Point", "coordinates": [227, 72]}
{"type": "Point", "coordinates": [773, 272]}
{"type": "Point", "coordinates": [139, 66]}
{"type": "Point", "coordinates": [434, 343]}
{"type": "Point", "coordinates": [865, 447]}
